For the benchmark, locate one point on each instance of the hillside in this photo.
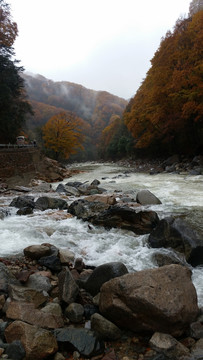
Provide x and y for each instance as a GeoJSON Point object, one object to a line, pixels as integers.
{"type": "Point", "coordinates": [165, 115]}
{"type": "Point", "coordinates": [94, 107]}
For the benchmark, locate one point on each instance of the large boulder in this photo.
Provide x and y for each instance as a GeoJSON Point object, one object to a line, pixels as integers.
{"type": "Point", "coordinates": [145, 197]}
{"type": "Point", "coordinates": [102, 274]}
{"type": "Point", "coordinates": [140, 222]}
{"type": "Point", "coordinates": [176, 234]}
{"type": "Point", "coordinates": [151, 300]}
{"type": "Point", "coordinates": [85, 209]}
{"type": "Point", "coordinates": [37, 342]}
{"type": "Point", "coordinates": [98, 213]}
{"type": "Point", "coordinates": [45, 202]}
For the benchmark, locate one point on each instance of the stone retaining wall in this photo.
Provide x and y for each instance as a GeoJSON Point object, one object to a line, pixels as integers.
{"type": "Point", "coordinates": [17, 161]}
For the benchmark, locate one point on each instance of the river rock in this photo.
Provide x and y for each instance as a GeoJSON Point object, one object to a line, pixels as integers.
{"type": "Point", "coordinates": [66, 256]}
{"type": "Point", "coordinates": [84, 341]}
{"type": "Point", "coordinates": [151, 300]}
{"type": "Point", "coordinates": [37, 342]}
{"type": "Point", "coordinates": [23, 201]}
{"type": "Point", "coordinates": [53, 309]}
{"type": "Point", "coordinates": [145, 197]}
{"type": "Point", "coordinates": [39, 282]}
{"type": "Point", "coordinates": [68, 190]}
{"type": "Point", "coordinates": [68, 289]}
{"type": "Point", "coordinates": [24, 294]}
{"type": "Point", "coordinates": [168, 345]}
{"type": "Point", "coordinates": [75, 312]}
{"type": "Point", "coordinates": [106, 199]}
{"type": "Point", "coordinates": [140, 222]}
{"type": "Point", "coordinates": [45, 202]}
{"type": "Point", "coordinates": [86, 210]}
{"type": "Point", "coordinates": [52, 262]}
{"type": "Point", "coordinates": [25, 211]}
{"type": "Point", "coordinates": [3, 213]}
{"type": "Point", "coordinates": [15, 350]}
{"type": "Point", "coordinates": [35, 252]}
{"type": "Point", "coordinates": [176, 234]}
{"type": "Point", "coordinates": [6, 278]}
{"type": "Point", "coordinates": [105, 329]}
{"type": "Point", "coordinates": [163, 258]}
{"type": "Point", "coordinates": [27, 312]}
{"type": "Point", "coordinates": [102, 274]}
{"type": "Point", "coordinates": [197, 350]}
{"type": "Point", "coordinates": [196, 329]}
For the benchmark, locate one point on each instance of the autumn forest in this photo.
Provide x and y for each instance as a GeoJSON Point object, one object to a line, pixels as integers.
{"type": "Point", "coordinates": [69, 121]}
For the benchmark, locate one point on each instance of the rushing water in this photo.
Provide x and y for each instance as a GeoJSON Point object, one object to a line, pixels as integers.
{"type": "Point", "coordinates": [180, 195]}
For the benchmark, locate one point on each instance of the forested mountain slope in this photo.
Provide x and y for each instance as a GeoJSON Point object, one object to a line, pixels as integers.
{"type": "Point", "coordinates": [166, 114]}
{"type": "Point", "coordinates": [48, 97]}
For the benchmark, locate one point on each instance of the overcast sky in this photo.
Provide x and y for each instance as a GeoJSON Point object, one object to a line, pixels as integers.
{"type": "Point", "coordinates": [100, 44]}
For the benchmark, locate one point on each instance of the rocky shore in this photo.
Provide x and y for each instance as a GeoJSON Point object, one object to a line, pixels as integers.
{"type": "Point", "coordinates": [53, 306]}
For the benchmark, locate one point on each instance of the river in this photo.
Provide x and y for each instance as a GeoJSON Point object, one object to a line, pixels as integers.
{"type": "Point", "coordinates": [180, 195]}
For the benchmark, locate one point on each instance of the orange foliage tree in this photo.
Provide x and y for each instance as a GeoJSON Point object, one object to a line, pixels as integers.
{"type": "Point", "coordinates": [63, 134]}
{"type": "Point", "coordinates": [166, 112]}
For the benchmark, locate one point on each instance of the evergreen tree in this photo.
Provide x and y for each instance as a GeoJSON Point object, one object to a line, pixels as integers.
{"type": "Point", "coordinates": [13, 104]}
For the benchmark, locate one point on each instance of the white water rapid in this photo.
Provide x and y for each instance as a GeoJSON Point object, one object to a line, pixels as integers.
{"type": "Point", "coordinates": [180, 195]}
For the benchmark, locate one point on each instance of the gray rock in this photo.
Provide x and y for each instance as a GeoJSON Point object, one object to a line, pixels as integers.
{"type": "Point", "coordinates": [95, 182]}
{"type": "Point", "coordinates": [176, 234]}
{"type": "Point", "coordinates": [102, 274]}
{"type": "Point", "coordinates": [145, 197]}
{"type": "Point", "coordinates": [84, 341]}
{"type": "Point", "coordinates": [3, 326]}
{"type": "Point", "coordinates": [4, 213]}
{"type": "Point", "coordinates": [45, 202]}
{"type": "Point", "coordinates": [6, 278]}
{"type": "Point", "coordinates": [197, 350]}
{"type": "Point", "coordinates": [85, 210]}
{"type": "Point", "coordinates": [52, 308]}
{"type": "Point", "coordinates": [52, 262]}
{"type": "Point", "coordinates": [25, 211]}
{"type": "Point", "coordinates": [67, 189]}
{"type": "Point", "coordinates": [105, 329]}
{"type": "Point", "coordinates": [39, 282]}
{"type": "Point", "coordinates": [196, 329]}
{"type": "Point", "coordinates": [75, 312]}
{"type": "Point", "coordinates": [68, 289]}
{"type": "Point", "coordinates": [168, 345]}
{"type": "Point", "coordinates": [15, 350]}
{"type": "Point", "coordinates": [169, 258]}
{"type": "Point", "coordinates": [23, 201]}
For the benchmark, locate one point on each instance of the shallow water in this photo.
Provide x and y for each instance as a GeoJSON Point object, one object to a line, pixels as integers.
{"type": "Point", "coordinates": [179, 194]}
